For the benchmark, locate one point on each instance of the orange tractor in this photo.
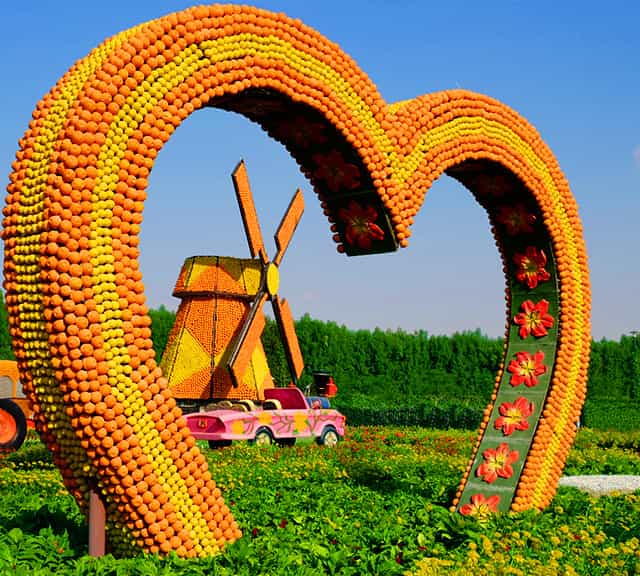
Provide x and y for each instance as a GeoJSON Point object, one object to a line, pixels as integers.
{"type": "Point", "coordinates": [15, 410]}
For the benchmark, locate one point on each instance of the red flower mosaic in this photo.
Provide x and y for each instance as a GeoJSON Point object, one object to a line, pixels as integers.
{"type": "Point", "coordinates": [301, 133]}
{"type": "Point", "coordinates": [497, 463]}
{"type": "Point", "coordinates": [526, 368]}
{"type": "Point", "coordinates": [360, 227]}
{"type": "Point", "coordinates": [516, 219]}
{"type": "Point", "coordinates": [531, 267]}
{"type": "Point", "coordinates": [496, 186]}
{"type": "Point", "coordinates": [481, 507]}
{"type": "Point", "coordinates": [335, 172]}
{"type": "Point", "coordinates": [533, 319]}
{"type": "Point", "coordinates": [513, 416]}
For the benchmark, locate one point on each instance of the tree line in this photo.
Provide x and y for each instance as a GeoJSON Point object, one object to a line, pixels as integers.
{"type": "Point", "coordinates": [396, 367]}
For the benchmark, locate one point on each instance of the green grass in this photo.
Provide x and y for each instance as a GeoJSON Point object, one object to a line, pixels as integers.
{"type": "Point", "coordinates": [377, 504]}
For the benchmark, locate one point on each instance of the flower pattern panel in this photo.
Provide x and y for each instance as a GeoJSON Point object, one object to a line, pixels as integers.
{"type": "Point", "coordinates": [517, 219]}
{"type": "Point", "coordinates": [514, 416]}
{"type": "Point", "coordinates": [534, 319]}
{"type": "Point", "coordinates": [360, 225]}
{"type": "Point", "coordinates": [497, 463]}
{"type": "Point", "coordinates": [337, 174]}
{"type": "Point", "coordinates": [530, 267]}
{"type": "Point", "coordinates": [481, 507]}
{"type": "Point", "coordinates": [526, 368]}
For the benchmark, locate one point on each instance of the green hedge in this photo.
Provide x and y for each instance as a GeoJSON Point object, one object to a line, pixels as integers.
{"type": "Point", "coordinates": [611, 414]}
{"type": "Point", "coordinates": [598, 414]}
{"type": "Point", "coordinates": [428, 415]}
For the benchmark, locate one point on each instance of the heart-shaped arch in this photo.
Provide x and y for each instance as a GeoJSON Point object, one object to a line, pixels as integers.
{"type": "Point", "coordinates": [76, 303]}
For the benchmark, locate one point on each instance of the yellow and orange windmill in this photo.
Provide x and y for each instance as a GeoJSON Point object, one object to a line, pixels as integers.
{"type": "Point", "coordinates": [214, 351]}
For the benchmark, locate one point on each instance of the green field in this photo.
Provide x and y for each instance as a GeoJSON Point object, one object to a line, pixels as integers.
{"type": "Point", "coordinates": [377, 504]}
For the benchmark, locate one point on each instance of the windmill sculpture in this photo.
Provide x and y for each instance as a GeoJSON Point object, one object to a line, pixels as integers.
{"type": "Point", "coordinates": [214, 351]}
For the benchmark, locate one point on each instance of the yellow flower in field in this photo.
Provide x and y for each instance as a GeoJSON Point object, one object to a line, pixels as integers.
{"type": "Point", "coordinates": [432, 566]}
{"type": "Point", "coordinates": [487, 545]}
{"type": "Point", "coordinates": [629, 546]}
{"type": "Point", "coordinates": [556, 554]}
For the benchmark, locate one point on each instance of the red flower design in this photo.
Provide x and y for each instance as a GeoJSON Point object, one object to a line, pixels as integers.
{"type": "Point", "coordinates": [531, 267]}
{"type": "Point", "coordinates": [514, 416]}
{"type": "Point", "coordinates": [361, 228]}
{"type": "Point", "coordinates": [481, 507]}
{"type": "Point", "coordinates": [335, 172]}
{"type": "Point", "coordinates": [301, 133]}
{"type": "Point", "coordinates": [495, 186]}
{"type": "Point", "coordinates": [526, 368]}
{"type": "Point", "coordinates": [516, 219]}
{"type": "Point", "coordinates": [497, 463]}
{"type": "Point", "coordinates": [533, 318]}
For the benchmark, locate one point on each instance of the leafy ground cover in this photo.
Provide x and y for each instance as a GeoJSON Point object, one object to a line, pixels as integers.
{"type": "Point", "coordinates": [377, 504]}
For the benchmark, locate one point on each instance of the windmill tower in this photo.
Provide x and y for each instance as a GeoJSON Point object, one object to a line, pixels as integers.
{"type": "Point", "coordinates": [214, 350]}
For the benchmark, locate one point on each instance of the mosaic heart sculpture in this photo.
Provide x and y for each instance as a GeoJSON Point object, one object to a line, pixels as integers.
{"type": "Point", "coordinates": [76, 302]}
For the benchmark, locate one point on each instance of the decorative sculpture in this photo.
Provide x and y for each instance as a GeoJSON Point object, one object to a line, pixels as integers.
{"type": "Point", "coordinates": [214, 349]}
{"type": "Point", "coordinates": [76, 301]}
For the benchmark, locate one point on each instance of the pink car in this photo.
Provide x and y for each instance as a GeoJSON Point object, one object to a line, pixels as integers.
{"type": "Point", "coordinates": [284, 416]}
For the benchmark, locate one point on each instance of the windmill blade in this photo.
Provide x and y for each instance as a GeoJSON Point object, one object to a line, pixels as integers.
{"type": "Point", "coordinates": [288, 225]}
{"type": "Point", "coordinates": [248, 212]}
{"type": "Point", "coordinates": [247, 340]}
{"type": "Point", "coordinates": [284, 320]}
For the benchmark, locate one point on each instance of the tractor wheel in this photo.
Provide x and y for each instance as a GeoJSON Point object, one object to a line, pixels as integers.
{"type": "Point", "coordinates": [13, 425]}
{"type": "Point", "coordinates": [329, 437]}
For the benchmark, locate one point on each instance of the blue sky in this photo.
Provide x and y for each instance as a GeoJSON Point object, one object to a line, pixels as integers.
{"type": "Point", "coordinates": [570, 68]}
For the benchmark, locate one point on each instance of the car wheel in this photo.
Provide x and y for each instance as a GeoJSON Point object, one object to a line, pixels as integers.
{"type": "Point", "coordinates": [329, 437]}
{"type": "Point", "coordinates": [213, 444]}
{"type": "Point", "coordinates": [263, 437]}
{"type": "Point", "coordinates": [13, 425]}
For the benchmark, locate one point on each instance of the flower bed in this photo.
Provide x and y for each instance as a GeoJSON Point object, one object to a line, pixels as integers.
{"type": "Point", "coordinates": [376, 504]}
